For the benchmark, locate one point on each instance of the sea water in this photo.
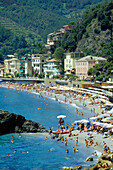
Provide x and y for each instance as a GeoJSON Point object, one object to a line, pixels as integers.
{"type": "Point", "coordinates": [33, 151]}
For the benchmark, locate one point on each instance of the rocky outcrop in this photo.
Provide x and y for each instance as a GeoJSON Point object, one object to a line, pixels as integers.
{"type": "Point", "coordinates": [12, 123]}
{"type": "Point", "coordinates": [93, 38]}
{"type": "Point", "coordinates": [90, 158]}
{"type": "Point", "coordinates": [104, 162]}
{"type": "Point", "coordinates": [77, 167]}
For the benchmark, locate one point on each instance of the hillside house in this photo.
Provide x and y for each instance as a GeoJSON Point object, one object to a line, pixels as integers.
{"type": "Point", "coordinates": [52, 38]}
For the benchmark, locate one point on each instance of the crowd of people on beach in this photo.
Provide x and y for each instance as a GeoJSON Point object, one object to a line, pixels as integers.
{"type": "Point", "coordinates": [83, 98]}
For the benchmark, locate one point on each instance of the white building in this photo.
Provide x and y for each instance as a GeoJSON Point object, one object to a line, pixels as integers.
{"type": "Point", "coordinates": [51, 67]}
{"type": "Point", "coordinates": [38, 61]}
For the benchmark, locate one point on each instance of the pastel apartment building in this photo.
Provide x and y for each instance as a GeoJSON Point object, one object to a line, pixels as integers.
{"type": "Point", "coordinates": [26, 66]}
{"type": "Point", "coordinates": [51, 67]}
{"type": "Point", "coordinates": [12, 66]}
{"type": "Point", "coordinates": [38, 61]}
{"type": "Point", "coordinates": [85, 63]}
{"type": "Point", "coordinates": [70, 62]}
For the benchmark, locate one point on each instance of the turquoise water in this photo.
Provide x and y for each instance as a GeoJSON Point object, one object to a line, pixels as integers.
{"type": "Point", "coordinates": [36, 148]}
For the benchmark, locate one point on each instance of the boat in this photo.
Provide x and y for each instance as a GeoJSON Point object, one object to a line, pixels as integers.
{"type": "Point", "coordinates": [61, 132]}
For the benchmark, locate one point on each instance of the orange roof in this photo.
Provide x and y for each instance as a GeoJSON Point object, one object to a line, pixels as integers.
{"type": "Point", "coordinates": [53, 60]}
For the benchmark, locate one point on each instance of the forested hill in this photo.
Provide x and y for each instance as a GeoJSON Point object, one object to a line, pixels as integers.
{"type": "Point", "coordinates": [24, 24]}
{"type": "Point", "coordinates": [93, 34]}
{"type": "Point", "coordinates": [44, 16]}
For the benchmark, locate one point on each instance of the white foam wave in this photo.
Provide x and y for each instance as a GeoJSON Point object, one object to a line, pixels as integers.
{"type": "Point", "coordinates": [75, 106]}
{"type": "Point", "coordinates": [98, 153]}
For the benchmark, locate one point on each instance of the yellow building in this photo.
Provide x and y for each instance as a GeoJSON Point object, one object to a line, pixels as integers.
{"type": "Point", "coordinates": [11, 66]}
{"type": "Point", "coordinates": [2, 68]}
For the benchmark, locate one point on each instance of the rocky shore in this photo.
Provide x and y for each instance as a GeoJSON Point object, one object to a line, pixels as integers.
{"type": "Point", "coordinates": [12, 123]}
{"type": "Point", "coordinates": [104, 163]}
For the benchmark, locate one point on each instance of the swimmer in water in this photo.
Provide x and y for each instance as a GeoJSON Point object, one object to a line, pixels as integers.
{"type": "Point", "coordinates": [67, 151]}
{"type": "Point", "coordinates": [46, 137]}
{"type": "Point", "coordinates": [74, 149]}
{"type": "Point", "coordinates": [19, 135]}
{"type": "Point", "coordinates": [12, 141]}
{"type": "Point", "coordinates": [9, 154]}
{"type": "Point", "coordinates": [14, 151]}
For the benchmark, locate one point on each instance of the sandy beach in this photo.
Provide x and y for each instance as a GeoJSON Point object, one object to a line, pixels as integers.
{"type": "Point", "coordinates": [78, 99]}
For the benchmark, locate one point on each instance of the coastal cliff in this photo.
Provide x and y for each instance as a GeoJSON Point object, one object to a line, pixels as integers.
{"type": "Point", "coordinates": [12, 123]}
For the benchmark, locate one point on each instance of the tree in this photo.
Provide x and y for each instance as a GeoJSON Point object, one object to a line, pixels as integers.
{"type": "Point", "coordinates": [41, 75]}
{"type": "Point", "coordinates": [22, 42]}
{"type": "Point", "coordinates": [15, 42]}
{"type": "Point", "coordinates": [59, 54]}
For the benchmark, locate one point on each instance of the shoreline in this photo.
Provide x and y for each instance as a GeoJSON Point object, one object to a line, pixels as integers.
{"type": "Point", "coordinates": [81, 102]}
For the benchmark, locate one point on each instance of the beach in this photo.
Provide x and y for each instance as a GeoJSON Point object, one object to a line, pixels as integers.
{"type": "Point", "coordinates": [72, 99]}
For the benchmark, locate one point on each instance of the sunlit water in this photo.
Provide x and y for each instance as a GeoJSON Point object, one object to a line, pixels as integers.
{"type": "Point", "coordinates": [36, 149]}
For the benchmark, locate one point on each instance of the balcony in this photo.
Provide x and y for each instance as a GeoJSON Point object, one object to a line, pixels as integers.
{"type": "Point", "coordinates": [21, 71]}
{"type": "Point", "coordinates": [12, 64]}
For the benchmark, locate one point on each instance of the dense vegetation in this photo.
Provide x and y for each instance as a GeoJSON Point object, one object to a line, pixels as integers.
{"type": "Point", "coordinates": [103, 14]}
{"type": "Point", "coordinates": [32, 20]}
{"type": "Point", "coordinates": [69, 42]}
{"type": "Point", "coordinates": [24, 25]}
{"type": "Point", "coordinates": [11, 43]}
{"type": "Point", "coordinates": [102, 71]}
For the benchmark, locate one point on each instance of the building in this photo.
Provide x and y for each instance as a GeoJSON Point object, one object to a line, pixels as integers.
{"type": "Point", "coordinates": [51, 67]}
{"type": "Point", "coordinates": [38, 61]}
{"type": "Point", "coordinates": [12, 66]}
{"type": "Point", "coordinates": [70, 62]}
{"type": "Point", "coordinates": [52, 38]}
{"type": "Point", "coordinates": [85, 63]}
{"type": "Point", "coordinates": [2, 69]}
{"type": "Point", "coordinates": [25, 66]}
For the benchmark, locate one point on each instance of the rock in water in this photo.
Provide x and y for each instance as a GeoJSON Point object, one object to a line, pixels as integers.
{"type": "Point", "coordinates": [90, 158]}
{"type": "Point", "coordinates": [12, 123]}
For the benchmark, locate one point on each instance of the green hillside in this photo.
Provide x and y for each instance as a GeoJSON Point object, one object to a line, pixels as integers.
{"type": "Point", "coordinates": [24, 24]}
{"type": "Point", "coordinates": [44, 17]}
{"type": "Point", "coordinates": [92, 32]}
{"type": "Point", "coordinates": [93, 35]}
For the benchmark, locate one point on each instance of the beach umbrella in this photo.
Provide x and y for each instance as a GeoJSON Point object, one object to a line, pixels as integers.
{"type": "Point", "coordinates": [110, 111]}
{"type": "Point", "coordinates": [103, 115]}
{"type": "Point", "coordinates": [98, 123]}
{"type": "Point", "coordinates": [107, 118]}
{"type": "Point", "coordinates": [93, 118]}
{"type": "Point", "coordinates": [77, 121]}
{"type": "Point", "coordinates": [61, 116]}
{"type": "Point", "coordinates": [108, 121]}
{"type": "Point", "coordinates": [84, 121]}
{"type": "Point", "coordinates": [109, 126]}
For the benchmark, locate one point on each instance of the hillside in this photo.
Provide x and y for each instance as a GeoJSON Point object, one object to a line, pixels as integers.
{"type": "Point", "coordinates": [43, 17]}
{"type": "Point", "coordinates": [24, 24]}
{"type": "Point", "coordinates": [93, 33]}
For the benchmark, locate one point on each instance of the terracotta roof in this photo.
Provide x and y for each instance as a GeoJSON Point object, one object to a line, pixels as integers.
{"type": "Point", "coordinates": [53, 60]}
